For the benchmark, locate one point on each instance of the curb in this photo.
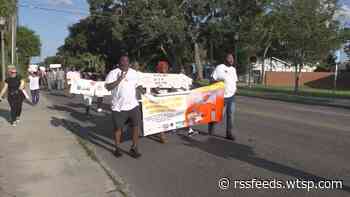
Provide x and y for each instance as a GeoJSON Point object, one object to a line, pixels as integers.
{"type": "Point", "coordinates": [121, 187]}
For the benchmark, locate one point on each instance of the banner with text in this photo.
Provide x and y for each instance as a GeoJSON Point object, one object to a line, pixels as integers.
{"type": "Point", "coordinates": [89, 88]}
{"type": "Point", "coordinates": [200, 106]}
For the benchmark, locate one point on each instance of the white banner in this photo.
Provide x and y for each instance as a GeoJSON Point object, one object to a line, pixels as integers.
{"type": "Point", "coordinates": [83, 86]}
{"type": "Point", "coordinates": [156, 80]}
{"type": "Point", "coordinates": [100, 89]}
{"type": "Point", "coordinates": [33, 68]}
{"type": "Point", "coordinates": [89, 88]}
{"type": "Point", "coordinates": [53, 66]}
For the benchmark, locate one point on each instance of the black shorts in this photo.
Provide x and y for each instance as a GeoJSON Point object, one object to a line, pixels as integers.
{"type": "Point", "coordinates": [131, 117]}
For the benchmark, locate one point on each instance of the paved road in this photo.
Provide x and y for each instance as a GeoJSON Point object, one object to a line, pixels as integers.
{"type": "Point", "coordinates": [276, 140]}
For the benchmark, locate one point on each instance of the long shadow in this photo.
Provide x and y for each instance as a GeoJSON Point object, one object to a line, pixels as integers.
{"type": "Point", "coordinates": [97, 128]}
{"type": "Point", "coordinates": [100, 134]}
{"type": "Point", "coordinates": [228, 150]}
{"type": "Point", "coordinates": [5, 114]}
{"type": "Point", "coordinates": [56, 94]}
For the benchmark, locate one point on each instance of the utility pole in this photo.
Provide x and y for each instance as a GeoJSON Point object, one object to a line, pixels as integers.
{"type": "Point", "coordinates": [2, 29]}
{"type": "Point", "coordinates": [3, 54]}
{"type": "Point", "coordinates": [13, 37]}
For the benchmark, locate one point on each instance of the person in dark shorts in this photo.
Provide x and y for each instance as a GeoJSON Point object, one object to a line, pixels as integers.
{"type": "Point", "coordinates": [14, 86]}
{"type": "Point", "coordinates": [123, 82]}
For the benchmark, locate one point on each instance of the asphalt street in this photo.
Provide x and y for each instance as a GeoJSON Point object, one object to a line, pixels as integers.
{"type": "Point", "coordinates": [276, 140]}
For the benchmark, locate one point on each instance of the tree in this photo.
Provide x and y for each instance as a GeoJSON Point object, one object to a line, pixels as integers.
{"type": "Point", "coordinates": [156, 27]}
{"type": "Point", "coordinates": [28, 44]}
{"type": "Point", "coordinates": [308, 31]}
{"type": "Point", "coordinates": [52, 60]}
{"type": "Point", "coordinates": [7, 7]}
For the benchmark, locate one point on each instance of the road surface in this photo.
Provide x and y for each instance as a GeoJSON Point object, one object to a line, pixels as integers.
{"type": "Point", "coordinates": [276, 141]}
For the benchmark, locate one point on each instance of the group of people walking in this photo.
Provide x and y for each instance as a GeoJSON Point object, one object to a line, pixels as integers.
{"type": "Point", "coordinates": [56, 79]}
{"type": "Point", "coordinates": [123, 82]}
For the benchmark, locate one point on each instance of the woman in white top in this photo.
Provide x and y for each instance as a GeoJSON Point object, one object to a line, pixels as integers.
{"type": "Point", "coordinates": [34, 87]}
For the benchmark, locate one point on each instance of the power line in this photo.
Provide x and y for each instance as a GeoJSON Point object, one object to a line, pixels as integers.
{"type": "Point", "coordinates": [40, 3]}
{"type": "Point", "coordinates": [53, 9]}
{"type": "Point", "coordinates": [73, 12]}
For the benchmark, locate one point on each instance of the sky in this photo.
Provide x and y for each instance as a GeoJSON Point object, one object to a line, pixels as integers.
{"type": "Point", "coordinates": [52, 27]}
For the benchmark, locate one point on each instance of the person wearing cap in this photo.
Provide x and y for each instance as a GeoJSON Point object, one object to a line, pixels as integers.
{"type": "Point", "coordinates": [14, 86]}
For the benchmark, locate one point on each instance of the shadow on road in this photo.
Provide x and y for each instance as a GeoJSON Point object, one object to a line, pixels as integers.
{"type": "Point", "coordinates": [228, 150]}
{"type": "Point", "coordinates": [4, 114]}
{"type": "Point", "coordinates": [98, 130]}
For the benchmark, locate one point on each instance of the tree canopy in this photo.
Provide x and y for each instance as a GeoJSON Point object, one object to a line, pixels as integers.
{"type": "Point", "coordinates": [200, 31]}
{"type": "Point", "coordinates": [7, 7]}
{"type": "Point", "coordinates": [28, 45]}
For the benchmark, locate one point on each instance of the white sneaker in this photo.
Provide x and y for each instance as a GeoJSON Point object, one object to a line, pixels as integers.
{"type": "Point", "coordinates": [14, 124]}
{"type": "Point", "coordinates": [192, 132]}
{"type": "Point", "coordinates": [99, 110]}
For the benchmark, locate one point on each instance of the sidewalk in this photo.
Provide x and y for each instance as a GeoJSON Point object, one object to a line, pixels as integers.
{"type": "Point", "coordinates": [40, 160]}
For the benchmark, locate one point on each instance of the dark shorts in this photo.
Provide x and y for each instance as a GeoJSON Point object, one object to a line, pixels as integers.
{"type": "Point", "coordinates": [132, 117]}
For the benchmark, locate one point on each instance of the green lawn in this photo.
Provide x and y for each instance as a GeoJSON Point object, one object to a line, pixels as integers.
{"type": "Point", "coordinates": [304, 91]}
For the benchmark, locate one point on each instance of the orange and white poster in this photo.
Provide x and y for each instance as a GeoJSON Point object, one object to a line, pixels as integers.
{"type": "Point", "coordinates": [197, 107]}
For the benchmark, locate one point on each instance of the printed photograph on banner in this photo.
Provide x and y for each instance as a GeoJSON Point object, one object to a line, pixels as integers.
{"type": "Point", "coordinates": [199, 106]}
{"type": "Point", "coordinates": [204, 107]}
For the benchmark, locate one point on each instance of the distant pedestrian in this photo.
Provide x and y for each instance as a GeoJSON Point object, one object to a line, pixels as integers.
{"type": "Point", "coordinates": [43, 77]}
{"type": "Point", "coordinates": [14, 86]}
{"type": "Point", "coordinates": [227, 73]}
{"type": "Point", "coordinates": [60, 79]}
{"type": "Point", "coordinates": [51, 79]}
{"type": "Point", "coordinates": [123, 82]}
{"type": "Point", "coordinates": [34, 87]}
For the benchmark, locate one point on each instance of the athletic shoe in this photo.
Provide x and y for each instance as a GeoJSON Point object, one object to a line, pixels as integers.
{"type": "Point", "coordinates": [231, 137]}
{"type": "Point", "coordinates": [192, 132]}
{"type": "Point", "coordinates": [117, 153]}
{"type": "Point", "coordinates": [135, 153]}
{"type": "Point", "coordinates": [99, 110]}
{"type": "Point", "coordinates": [14, 124]}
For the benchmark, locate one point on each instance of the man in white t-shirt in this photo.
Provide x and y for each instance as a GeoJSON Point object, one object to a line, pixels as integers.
{"type": "Point", "coordinates": [34, 87]}
{"type": "Point", "coordinates": [123, 82]}
{"type": "Point", "coordinates": [227, 73]}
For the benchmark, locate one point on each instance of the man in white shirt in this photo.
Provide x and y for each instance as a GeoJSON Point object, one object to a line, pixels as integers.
{"type": "Point", "coordinates": [34, 87]}
{"type": "Point", "coordinates": [123, 82]}
{"type": "Point", "coordinates": [227, 73]}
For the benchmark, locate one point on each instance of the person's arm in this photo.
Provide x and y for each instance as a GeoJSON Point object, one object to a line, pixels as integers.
{"type": "Point", "coordinates": [215, 76]}
{"type": "Point", "coordinates": [3, 91]}
{"type": "Point", "coordinates": [22, 85]}
{"type": "Point", "coordinates": [114, 84]}
{"type": "Point", "coordinates": [235, 76]}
